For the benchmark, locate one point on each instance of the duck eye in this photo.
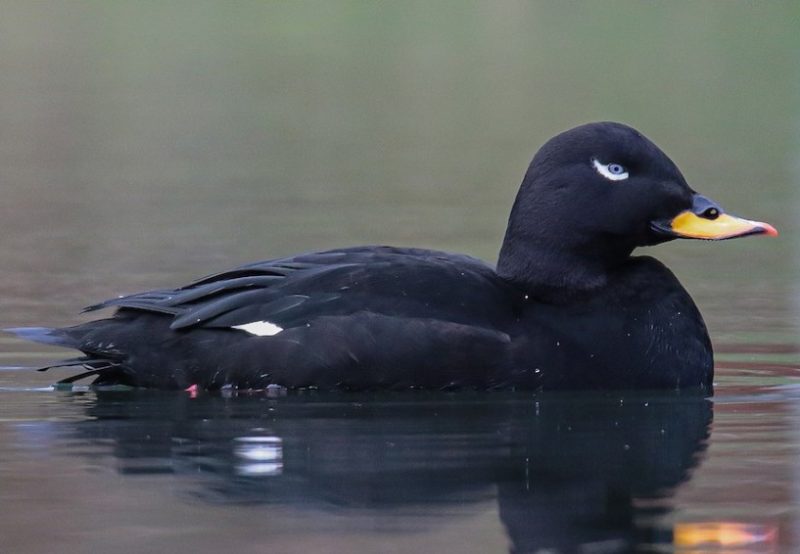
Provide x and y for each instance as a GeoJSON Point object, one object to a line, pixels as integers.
{"type": "Point", "coordinates": [611, 171]}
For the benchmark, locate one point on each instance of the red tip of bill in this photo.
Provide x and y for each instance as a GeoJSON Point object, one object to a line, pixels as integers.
{"type": "Point", "coordinates": [769, 230]}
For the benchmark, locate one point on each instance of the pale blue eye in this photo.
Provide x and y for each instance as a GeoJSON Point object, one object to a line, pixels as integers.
{"type": "Point", "coordinates": [611, 171]}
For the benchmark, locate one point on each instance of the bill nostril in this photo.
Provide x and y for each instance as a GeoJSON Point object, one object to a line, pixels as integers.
{"type": "Point", "coordinates": [705, 208]}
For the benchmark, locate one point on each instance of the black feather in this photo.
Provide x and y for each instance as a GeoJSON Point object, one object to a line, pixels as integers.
{"type": "Point", "coordinates": [216, 307]}
{"type": "Point", "coordinates": [44, 335]}
{"type": "Point", "coordinates": [201, 292]}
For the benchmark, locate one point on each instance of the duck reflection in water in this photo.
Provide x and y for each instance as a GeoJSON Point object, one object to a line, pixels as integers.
{"type": "Point", "coordinates": [567, 471]}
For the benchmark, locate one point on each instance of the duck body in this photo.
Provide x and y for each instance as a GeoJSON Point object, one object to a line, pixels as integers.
{"type": "Point", "coordinates": [567, 306]}
{"type": "Point", "coordinates": [382, 317]}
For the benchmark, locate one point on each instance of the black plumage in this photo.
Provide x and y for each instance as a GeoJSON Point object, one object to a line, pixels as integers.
{"type": "Point", "coordinates": [567, 307]}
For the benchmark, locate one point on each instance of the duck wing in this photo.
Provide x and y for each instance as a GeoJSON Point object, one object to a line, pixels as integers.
{"type": "Point", "coordinates": [264, 297]}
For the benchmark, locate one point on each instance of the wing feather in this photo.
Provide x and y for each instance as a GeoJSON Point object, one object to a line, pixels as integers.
{"type": "Point", "coordinates": [216, 307]}
{"type": "Point", "coordinates": [294, 291]}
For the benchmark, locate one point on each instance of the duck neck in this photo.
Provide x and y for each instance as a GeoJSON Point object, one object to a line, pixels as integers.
{"type": "Point", "coordinates": [555, 270]}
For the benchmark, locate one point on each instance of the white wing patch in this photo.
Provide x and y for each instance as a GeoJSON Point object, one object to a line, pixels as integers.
{"type": "Point", "coordinates": [259, 328]}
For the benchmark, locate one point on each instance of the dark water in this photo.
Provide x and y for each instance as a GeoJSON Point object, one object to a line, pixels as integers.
{"type": "Point", "coordinates": [141, 471]}
{"type": "Point", "coordinates": [145, 144]}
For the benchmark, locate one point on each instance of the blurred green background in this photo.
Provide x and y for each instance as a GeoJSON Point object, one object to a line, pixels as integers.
{"type": "Point", "coordinates": [143, 144]}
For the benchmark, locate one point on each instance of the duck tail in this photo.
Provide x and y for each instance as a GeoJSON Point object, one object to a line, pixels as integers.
{"type": "Point", "coordinates": [44, 335]}
{"type": "Point", "coordinates": [95, 365]}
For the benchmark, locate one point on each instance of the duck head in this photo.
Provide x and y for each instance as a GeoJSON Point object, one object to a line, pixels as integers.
{"type": "Point", "coordinates": [591, 196]}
